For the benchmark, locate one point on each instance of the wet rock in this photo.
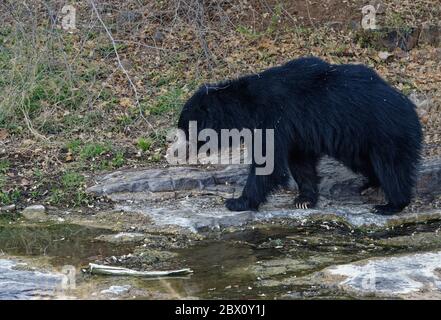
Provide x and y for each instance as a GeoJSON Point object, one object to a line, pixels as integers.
{"type": "Point", "coordinates": [409, 276]}
{"type": "Point", "coordinates": [35, 212]}
{"type": "Point", "coordinates": [270, 268]}
{"type": "Point", "coordinates": [190, 214]}
{"type": "Point", "coordinates": [193, 198]}
{"type": "Point", "coordinates": [122, 237]}
{"type": "Point", "coordinates": [116, 290]}
{"type": "Point", "coordinates": [17, 284]}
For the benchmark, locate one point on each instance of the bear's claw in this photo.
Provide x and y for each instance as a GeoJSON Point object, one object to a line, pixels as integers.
{"type": "Point", "coordinates": [302, 205]}
{"type": "Point", "coordinates": [304, 202]}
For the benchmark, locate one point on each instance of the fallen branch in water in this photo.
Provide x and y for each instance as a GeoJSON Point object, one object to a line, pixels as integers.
{"type": "Point", "coordinates": [118, 271]}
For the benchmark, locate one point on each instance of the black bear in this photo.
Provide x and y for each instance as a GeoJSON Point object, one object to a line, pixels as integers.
{"type": "Point", "coordinates": [344, 111]}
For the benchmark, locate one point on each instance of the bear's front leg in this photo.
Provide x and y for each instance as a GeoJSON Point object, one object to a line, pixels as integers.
{"type": "Point", "coordinates": [304, 171]}
{"type": "Point", "coordinates": [239, 204]}
{"type": "Point", "coordinates": [256, 190]}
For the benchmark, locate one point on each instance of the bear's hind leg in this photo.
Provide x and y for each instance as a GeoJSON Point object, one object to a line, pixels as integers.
{"type": "Point", "coordinates": [372, 182]}
{"type": "Point", "coordinates": [304, 172]}
{"type": "Point", "coordinates": [396, 179]}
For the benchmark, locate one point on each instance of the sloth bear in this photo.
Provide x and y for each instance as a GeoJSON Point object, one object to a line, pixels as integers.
{"type": "Point", "coordinates": [346, 111]}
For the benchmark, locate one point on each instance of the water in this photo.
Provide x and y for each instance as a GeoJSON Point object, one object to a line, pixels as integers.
{"type": "Point", "coordinates": [64, 244]}
{"type": "Point", "coordinates": [245, 264]}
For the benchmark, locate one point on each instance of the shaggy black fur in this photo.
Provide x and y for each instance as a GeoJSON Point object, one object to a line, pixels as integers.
{"type": "Point", "coordinates": [345, 111]}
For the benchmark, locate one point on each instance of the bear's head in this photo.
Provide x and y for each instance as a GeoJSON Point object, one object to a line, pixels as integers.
{"type": "Point", "coordinates": [213, 107]}
{"type": "Point", "coordinates": [215, 117]}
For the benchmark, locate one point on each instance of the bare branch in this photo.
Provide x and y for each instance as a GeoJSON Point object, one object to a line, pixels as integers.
{"type": "Point", "coordinates": [129, 79]}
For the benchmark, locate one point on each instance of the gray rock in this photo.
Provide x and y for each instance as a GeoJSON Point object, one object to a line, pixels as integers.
{"type": "Point", "coordinates": [189, 215]}
{"type": "Point", "coordinates": [34, 212]}
{"type": "Point", "coordinates": [24, 284]}
{"type": "Point", "coordinates": [7, 209]}
{"type": "Point", "coordinates": [116, 290]}
{"type": "Point", "coordinates": [414, 275]}
{"type": "Point", "coordinates": [192, 198]}
{"type": "Point", "coordinates": [168, 179]}
{"type": "Point", "coordinates": [409, 276]}
{"type": "Point", "coordinates": [337, 183]}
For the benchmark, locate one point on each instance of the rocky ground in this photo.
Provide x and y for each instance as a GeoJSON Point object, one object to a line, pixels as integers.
{"type": "Point", "coordinates": [83, 177]}
{"type": "Point", "coordinates": [166, 219]}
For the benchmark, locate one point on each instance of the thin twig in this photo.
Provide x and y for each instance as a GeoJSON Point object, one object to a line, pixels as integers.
{"type": "Point", "coordinates": [31, 129]}
{"type": "Point", "coordinates": [135, 91]}
{"type": "Point", "coordinates": [309, 14]}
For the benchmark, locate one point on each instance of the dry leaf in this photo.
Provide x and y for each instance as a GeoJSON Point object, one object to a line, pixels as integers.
{"type": "Point", "coordinates": [3, 134]}
{"type": "Point", "coordinates": [125, 102]}
{"type": "Point", "coordinates": [384, 55]}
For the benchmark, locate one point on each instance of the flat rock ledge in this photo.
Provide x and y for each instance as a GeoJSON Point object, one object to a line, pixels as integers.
{"type": "Point", "coordinates": [19, 283]}
{"type": "Point", "coordinates": [406, 276]}
{"type": "Point", "coordinates": [409, 276]}
{"type": "Point", "coordinates": [192, 197]}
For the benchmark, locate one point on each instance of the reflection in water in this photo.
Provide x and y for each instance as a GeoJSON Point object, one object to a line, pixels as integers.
{"type": "Point", "coordinates": [64, 243]}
